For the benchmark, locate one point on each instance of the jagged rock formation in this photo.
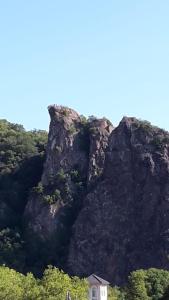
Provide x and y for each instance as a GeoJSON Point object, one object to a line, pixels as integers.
{"type": "Point", "coordinates": [124, 221]}
{"type": "Point", "coordinates": [75, 143]}
{"type": "Point", "coordinates": [113, 199]}
{"type": "Point", "coordinates": [74, 162]}
{"type": "Point", "coordinates": [64, 146]}
{"type": "Point", "coordinates": [99, 132]}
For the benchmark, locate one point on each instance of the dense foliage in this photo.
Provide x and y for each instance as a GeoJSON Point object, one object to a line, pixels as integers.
{"type": "Point", "coordinates": [53, 286]}
{"type": "Point", "coordinates": [22, 155]}
{"type": "Point", "coordinates": [152, 284]}
{"type": "Point", "coordinates": [149, 284]}
{"type": "Point", "coordinates": [21, 161]}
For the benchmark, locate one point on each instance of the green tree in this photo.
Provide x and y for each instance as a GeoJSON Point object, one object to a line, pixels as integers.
{"type": "Point", "coordinates": [156, 283]}
{"type": "Point", "coordinates": [32, 289]}
{"type": "Point", "coordinates": [22, 155]}
{"type": "Point", "coordinates": [147, 284]}
{"type": "Point", "coordinates": [136, 287]}
{"type": "Point", "coordinates": [10, 284]}
{"type": "Point", "coordinates": [56, 284]}
{"type": "Point", "coordinates": [79, 288]}
{"type": "Point", "coordinates": [21, 162]}
{"type": "Point", "coordinates": [114, 293]}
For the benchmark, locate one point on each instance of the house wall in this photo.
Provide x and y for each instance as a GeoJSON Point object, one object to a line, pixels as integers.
{"type": "Point", "coordinates": [101, 292]}
{"type": "Point", "coordinates": [97, 289]}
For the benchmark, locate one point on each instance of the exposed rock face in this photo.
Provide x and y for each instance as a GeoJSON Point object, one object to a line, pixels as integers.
{"type": "Point", "coordinates": [41, 218]}
{"type": "Point", "coordinates": [64, 154]}
{"type": "Point", "coordinates": [64, 147]}
{"type": "Point", "coordinates": [124, 222]}
{"type": "Point", "coordinates": [114, 195]}
{"type": "Point", "coordinates": [75, 144]}
{"type": "Point", "coordinates": [75, 159]}
{"type": "Point", "coordinates": [99, 132]}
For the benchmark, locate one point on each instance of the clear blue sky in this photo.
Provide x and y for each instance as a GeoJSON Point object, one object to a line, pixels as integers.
{"type": "Point", "coordinates": [104, 58]}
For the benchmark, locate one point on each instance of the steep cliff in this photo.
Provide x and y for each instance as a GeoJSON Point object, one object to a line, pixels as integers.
{"type": "Point", "coordinates": [124, 222]}
{"type": "Point", "coordinates": [99, 132]}
{"type": "Point", "coordinates": [74, 162]}
{"type": "Point", "coordinates": [103, 203]}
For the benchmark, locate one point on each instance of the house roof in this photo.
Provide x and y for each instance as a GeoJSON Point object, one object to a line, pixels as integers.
{"type": "Point", "coordinates": [94, 279]}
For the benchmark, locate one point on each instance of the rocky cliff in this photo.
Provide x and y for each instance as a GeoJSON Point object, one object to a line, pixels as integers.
{"type": "Point", "coordinates": [104, 195]}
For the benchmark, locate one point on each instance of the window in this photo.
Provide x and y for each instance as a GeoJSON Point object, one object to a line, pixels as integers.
{"type": "Point", "coordinates": [94, 293]}
{"type": "Point", "coordinates": [103, 291]}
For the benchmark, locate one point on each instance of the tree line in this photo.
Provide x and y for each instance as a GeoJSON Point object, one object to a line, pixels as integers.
{"type": "Point", "coordinates": [151, 284]}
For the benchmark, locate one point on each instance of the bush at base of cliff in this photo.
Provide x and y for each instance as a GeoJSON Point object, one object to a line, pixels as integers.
{"type": "Point", "coordinates": [114, 293]}
{"type": "Point", "coordinates": [53, 286]}
{"type": "Point", "coordinates": [148, 284]}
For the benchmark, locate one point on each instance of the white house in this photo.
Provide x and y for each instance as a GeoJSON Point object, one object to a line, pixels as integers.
{"type": "Point", "coordinates": [98, 288]}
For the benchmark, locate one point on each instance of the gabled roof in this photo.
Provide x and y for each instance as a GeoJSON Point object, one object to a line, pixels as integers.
{"type": "Point", "coordinates": [95, 280]}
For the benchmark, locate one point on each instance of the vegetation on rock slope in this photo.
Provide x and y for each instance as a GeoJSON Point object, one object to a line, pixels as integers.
{"type": "Point", "coordinates": [22, 156]}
